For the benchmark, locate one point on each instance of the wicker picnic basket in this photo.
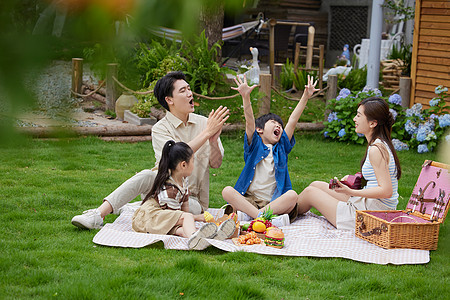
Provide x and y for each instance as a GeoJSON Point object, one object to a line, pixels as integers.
{"type": "Point", "coordinates": [416, 227]}
{"type": "Point", "coordinates": [228, 210]}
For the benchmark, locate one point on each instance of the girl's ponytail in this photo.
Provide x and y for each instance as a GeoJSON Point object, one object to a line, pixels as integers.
{"type": "Point", "coordinates": [172, 154]}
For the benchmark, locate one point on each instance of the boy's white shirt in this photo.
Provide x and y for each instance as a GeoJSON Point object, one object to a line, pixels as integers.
{"type": "Point", "coordinates": [264, 183]}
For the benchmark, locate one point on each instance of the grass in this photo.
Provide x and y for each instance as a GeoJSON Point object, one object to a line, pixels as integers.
{"type": "Point", "coordinates": [45, 183]}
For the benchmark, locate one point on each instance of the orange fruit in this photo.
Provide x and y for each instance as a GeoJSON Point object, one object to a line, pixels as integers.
{"type": "Point", "coordinates": [259, 227]}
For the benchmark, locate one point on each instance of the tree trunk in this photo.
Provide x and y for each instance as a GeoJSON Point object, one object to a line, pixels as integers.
{"type": "Point", "coordinates": [211, 20]}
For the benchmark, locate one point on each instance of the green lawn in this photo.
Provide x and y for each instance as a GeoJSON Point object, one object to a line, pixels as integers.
{"type": "Point", "coordinates": [45, 183]}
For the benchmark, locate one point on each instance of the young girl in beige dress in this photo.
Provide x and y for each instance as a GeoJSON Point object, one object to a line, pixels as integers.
{"type": "Point", "coordinates": [165, 210]}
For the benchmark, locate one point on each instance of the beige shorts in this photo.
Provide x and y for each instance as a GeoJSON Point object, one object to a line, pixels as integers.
{"type": "Point", "coordinates": [346, 211]}
{"type": "Point", "coordinates": [256, 202]}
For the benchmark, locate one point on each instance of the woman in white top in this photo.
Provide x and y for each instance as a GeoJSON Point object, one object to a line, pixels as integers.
{"type": "Point", "coordinates": [380, 167]}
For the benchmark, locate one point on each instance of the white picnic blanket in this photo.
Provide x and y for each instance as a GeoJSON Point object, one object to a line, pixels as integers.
{"type": "Point", "coordinates": [310, 235]}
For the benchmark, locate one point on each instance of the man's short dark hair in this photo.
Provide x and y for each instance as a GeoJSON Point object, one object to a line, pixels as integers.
{"type": "Point", "coordinates": [261, 121]}
{"type": "Point", "coordinates": [164, 87]}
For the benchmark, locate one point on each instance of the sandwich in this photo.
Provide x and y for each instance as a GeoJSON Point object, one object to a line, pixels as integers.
{"type": "Point", "coordinates": [274, 238]}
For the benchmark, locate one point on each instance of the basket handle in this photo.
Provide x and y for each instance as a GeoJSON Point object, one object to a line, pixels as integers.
{"type": "Point", "coordinates": [376, 230]}
{"type": "Point", "coordinates": [227, 208]}
{"type": "Point", "coordinates": [404, 217]}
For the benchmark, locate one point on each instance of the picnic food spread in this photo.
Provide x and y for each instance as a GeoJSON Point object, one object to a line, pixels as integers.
{"type": "Point", "coordinates": [249, 239]}
{"type": "Point", "coordinates": [261, 223]}
{"type": "Point", "coordinates": [274, 238]}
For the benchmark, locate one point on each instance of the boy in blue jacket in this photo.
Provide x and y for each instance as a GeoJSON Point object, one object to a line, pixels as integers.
{"type": "Point", "coordinates": [265, 181]}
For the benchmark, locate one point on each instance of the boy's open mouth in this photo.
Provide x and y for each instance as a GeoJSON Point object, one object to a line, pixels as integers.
{"type": "Point", "coordinates": [191, 102]}
{"type": "Point", "coordinates": [277, 132]}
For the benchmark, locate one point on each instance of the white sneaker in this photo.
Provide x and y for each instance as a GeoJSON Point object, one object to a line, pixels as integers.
{"type": "Point", "coordinates": [90, 219]}
{"type": "Point", "coordinates": [197, 240]}
{"type": "Point", "coordinates": [225, 230]}
{"type": "Point", "coordinates": [132, 207]}
{"type": "Point", "coordinates": [281, 221]}
{"type": "Point", "coordinates": [242, 216]}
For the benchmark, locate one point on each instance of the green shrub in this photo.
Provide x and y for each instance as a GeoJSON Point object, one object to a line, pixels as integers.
{"type": "Point", "coordinates": [157, 59]}
{"type": "Point", "coordinates": [404, 53]}
{"type": "Point", "coordinates": [203, 72]}
{"type": "Point", "coordinates": [354, 81]}
{"type": "Point", "coordinates": [288, 76]}
{"type": "Point", "coordinates": [414, 128]}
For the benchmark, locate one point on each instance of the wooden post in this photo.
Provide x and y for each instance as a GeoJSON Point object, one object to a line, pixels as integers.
{"type": "Point", "coordinates": [405, 90]}
{"type": "Point", "coordinates": [321, 52]}
{"type": "Point", "coordinates": [272, 23]}
{"type": "Point", "coordinates": [297, 56]}
{"type": "Point", "coordinates": [111, 86]}
{"type": "Point", "coordinates": [331, 93]}
{"type": "Point", "coordinates": [296, 60]}
{"type": "Point", "coordinates": [77, 75]}
{"type": "Point", "coordinates": [309, 47]}
{"type": "Point", "coordinates": [265, 81]}
{"type": "Point", "coordinates": [278, 68]}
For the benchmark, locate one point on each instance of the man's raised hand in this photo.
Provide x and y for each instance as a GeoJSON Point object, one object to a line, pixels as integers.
{"type": "Point", "coordinates": [216, 119]}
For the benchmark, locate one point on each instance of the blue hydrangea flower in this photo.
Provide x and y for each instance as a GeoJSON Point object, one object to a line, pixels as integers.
{"type": "Point", "coordinates": [399, 145]}
{"type": "Point", "coordinates": [341, 132]}
{"type": "Point", "coordinates": [372, 92]}
{"type": "Point", "coordinates": [433, 117]}
{"type": "Point", "coordinates": [332, 116]}
{"type": "Point", "coordinates": [344, 92]}
{"type": "Point", "coordinates": [434, 101]}
{"type": "Point", "coordinates": [395, 99]}
{"type": "Point", "coordinates": [444, 120]}
{"type": "Point", "coordinates": [325, 134]}
{"type": "Point", "coordinates": [431, 136]}
{"type": "Point", "coordinates": [394, 113]}
{"type": "Point", "coordinates": [422, 132]}
{"type": "Point", "coordinates": [440, 89]}
{"type": "Point", "coordinates": [377, 92]}
{"type": "Point", "coordinates": [410, 127]}
{"type": "Point", "coordinates": [366, 89]}
{"type": "Point", "coordinates": [359, 134]}
{"type": "Point", "coordinates": [415, 110]}
{"type": "Point", "coordinates": [422, 148]}
{"type": "Point", "coordinates": [429, 124]}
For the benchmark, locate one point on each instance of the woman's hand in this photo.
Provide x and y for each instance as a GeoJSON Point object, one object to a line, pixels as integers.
{"type": "Point", "coordinates": [342, 188]}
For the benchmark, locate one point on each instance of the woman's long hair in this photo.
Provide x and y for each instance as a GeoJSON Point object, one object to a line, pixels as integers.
{"type": "Point", "coordinates": [172, 154]}
{"type": "Point", "coordinates": [376, 109]}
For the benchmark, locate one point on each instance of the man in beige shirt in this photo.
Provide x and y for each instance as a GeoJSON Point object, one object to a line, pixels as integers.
{"type": "Point", "coordinates": [179, 124]}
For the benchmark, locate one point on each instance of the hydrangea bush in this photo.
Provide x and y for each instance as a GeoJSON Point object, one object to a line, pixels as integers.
{"type": "Point", "coordinates": [414, 128]}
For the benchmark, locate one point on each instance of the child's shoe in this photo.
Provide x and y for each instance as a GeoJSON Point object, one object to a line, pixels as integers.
{"type": "Point", "coordinates": [281, 221]}
{"type": "Point", "coordinates": [197, 240]}
{"type": "Point", "coordinates": [225, 230]}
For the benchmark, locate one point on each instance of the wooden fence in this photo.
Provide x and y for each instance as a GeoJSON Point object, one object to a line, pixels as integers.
{"type": "Point", "coordinates": [431, 50]}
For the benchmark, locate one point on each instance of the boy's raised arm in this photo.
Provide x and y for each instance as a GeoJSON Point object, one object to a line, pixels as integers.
{"type": "Point", "coordinates": [310, 88]}
{"type": "Point", "coordinates": [245, 91]}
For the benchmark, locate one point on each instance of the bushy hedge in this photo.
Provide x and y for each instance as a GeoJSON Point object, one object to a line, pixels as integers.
{"type": "Point", "coordinates": [414, 128]}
